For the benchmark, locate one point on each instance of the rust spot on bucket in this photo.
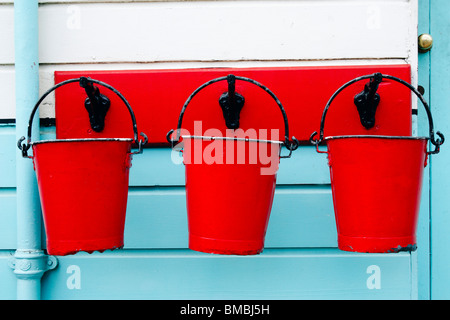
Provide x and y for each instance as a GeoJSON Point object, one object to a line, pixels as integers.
{"type": "Point", "coordinates": [408, 248]}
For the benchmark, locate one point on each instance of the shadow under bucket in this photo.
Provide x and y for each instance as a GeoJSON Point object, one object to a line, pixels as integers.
{"type": "Point", "coordinates": [83, 185]}
{"type": "Point", "coordinates": [376, 182]}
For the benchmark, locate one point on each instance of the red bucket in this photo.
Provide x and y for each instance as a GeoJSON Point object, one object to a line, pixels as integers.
{"type": "Point", "coordinates": [83, 189]}
{"type": "Point", "coordinates": [376, 185]}
{"type": "Point", "coordinates": [230, 188]}
{"type": "Point", "coordinates": [229, 205]}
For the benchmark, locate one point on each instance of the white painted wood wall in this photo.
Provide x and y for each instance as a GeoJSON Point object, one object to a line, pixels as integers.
{"type": "Point", "coordinates": [137, 34]}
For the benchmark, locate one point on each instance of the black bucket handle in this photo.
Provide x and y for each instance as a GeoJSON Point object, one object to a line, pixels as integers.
{"type": "Point", "coordinates": [437, 143]}
{"type": "Point", "coordinates": [291, 145]}
{"type": "Point", "coordinates": [84, 81]}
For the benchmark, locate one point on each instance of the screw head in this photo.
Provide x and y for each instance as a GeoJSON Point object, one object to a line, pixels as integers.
{"type": "Point", "coordinates": [425, 42]}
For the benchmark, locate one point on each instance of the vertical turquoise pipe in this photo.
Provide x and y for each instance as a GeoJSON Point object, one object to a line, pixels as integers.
{"type": "Point", "coordinates": [29, 260]}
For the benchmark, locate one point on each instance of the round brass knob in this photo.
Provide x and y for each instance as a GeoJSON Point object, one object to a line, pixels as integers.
{"type": "Point", "coordinates": [425, 42]}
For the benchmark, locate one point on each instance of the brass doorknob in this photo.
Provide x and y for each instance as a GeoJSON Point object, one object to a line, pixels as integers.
{"type": "Point", "coordinates": [425, 42]}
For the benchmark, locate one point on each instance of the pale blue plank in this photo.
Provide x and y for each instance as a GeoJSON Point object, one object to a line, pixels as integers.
{"type": "Point", "coordinates": [302, 216]}
{"type": "Point", "coordinates": [8, 151]}
{"type": "Point", "coordinates": [155, 166]}
{"type": "Point", "coordinates": [7, 278]}
{"type": "Point", "coordinates": [8, 221]}
{"type": "Point", "coordinates": [156, 217]}
{"type": "Point", "coordinates": [185, 274]}
{"type": "Point", "coordinates": [440, 170]}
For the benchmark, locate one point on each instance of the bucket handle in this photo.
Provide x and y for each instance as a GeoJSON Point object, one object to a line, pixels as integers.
{"type": "Point", "coordinates": [84, 82]}
{"type": "Point", "coordinates": [436, 142]}
{"type": "Point", "coordinates": [291, 145]}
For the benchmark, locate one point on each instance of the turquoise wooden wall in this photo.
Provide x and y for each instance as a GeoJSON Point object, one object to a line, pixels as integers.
{"type": "Point", "coordinates": [434, 66]}
{"type": "Point", "coordinates": [301, 259]}
{"type": "Point", "coordinates": [424, 218]}
{"type": "Point", "coordinates": [439, 81]}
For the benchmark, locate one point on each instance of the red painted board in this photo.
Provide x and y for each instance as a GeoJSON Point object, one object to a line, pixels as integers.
{"type": "Point", "coordinates": [157, 97]}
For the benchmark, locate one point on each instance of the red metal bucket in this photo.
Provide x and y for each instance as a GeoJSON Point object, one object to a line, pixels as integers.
{"type": "Point", "coordinates": [229, 205]}
{"type": "Point", "coordinates": [230, 188]}
{"type": "Point", "coordinates": [376, 185]}
{"type": "Point", "coordinates": [83, 189]}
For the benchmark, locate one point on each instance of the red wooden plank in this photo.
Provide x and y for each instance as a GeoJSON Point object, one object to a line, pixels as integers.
{"type": "Point", "coordinates": [157, 97]}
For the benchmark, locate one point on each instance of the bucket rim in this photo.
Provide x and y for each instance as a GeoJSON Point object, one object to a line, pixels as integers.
{"type": "Point", "coordinates": [377, 137]}
{"type": "Point", "coordinates": [82, 140]}
{"type": "Point", "coordinates": [211, 138]}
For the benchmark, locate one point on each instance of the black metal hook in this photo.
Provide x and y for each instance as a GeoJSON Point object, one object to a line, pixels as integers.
{"type": "Point", "coordinates": [231, 103]}
{"type": "Point", "coordinates": [23, 147]}
{"type": "Point", "coordinates": [436, 142]}
{"type": "Point", "coordinates": [291, 145]}
{"type": "Point", "coordinates": [367, 101]}
{"type": "Point", "coordinates": [96, 104]}
{"type": "Point", "coordinates": [83, 82]}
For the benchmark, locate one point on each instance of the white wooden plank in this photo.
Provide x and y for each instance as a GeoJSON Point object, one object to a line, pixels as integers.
{"type": "Point", "coordinates": [46, 75]}
{"type": "Point", "coordinates": [130, 1]}
{"type": "Point", "coordinates": [76, 39]}
{"type": "Point", "coordinates": [109, 1]}
{"type": "Point", "coordinates": [219, 30]}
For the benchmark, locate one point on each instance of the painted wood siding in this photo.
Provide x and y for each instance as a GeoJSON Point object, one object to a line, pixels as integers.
{"type": "Point", "coordinates": [439, 65]}
{"type": "Point", "coordinates": [176, 34]}
{"type": "Point", "coordinates": [301, 259]}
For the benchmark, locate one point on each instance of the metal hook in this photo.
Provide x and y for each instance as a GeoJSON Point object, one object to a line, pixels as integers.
{"type": "Point", "coordinates": [83, 81]}
{"type": "Point", "coordinates": [291, 145]}
{"type": "Point", "coordinates": [367, 101]}
{"type": "Point", "coordinates": [231, 104]}
{"type": "Point", "coordinates": [141, 143]}
{"type": "Point", "coordinates": [23, 147]}
{"type": "Point", "coordinates": [96, 104]}
{"type": "Point", "coordinates": [377, 77]}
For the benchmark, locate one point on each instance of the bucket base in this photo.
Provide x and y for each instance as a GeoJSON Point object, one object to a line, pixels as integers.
{"type": "Point", "coordinates": [228, 247]}
{"type": "Point", "coordinates": [66, 247]}
{"type": "Point", "coordinates": [376, 245]}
